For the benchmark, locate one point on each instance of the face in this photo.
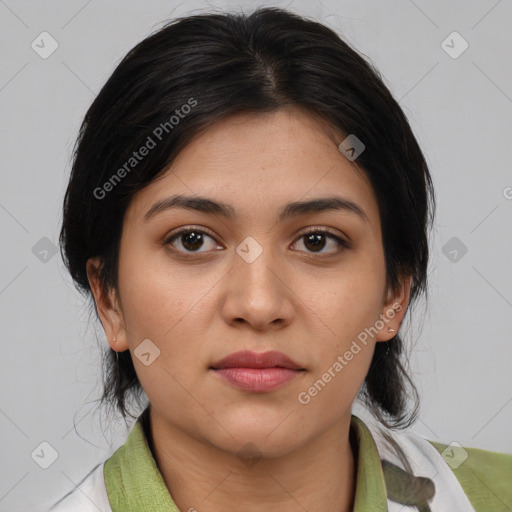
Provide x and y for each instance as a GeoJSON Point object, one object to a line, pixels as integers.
{"type": "Point", "coordinates": [309, 284]}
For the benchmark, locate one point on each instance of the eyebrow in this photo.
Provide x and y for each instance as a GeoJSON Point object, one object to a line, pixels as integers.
{"type": "Point", "coordinates": [294, 209]}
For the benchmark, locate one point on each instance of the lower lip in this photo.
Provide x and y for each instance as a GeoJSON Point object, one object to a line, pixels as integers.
{"type": "Point", "coordinates": [257, 379]}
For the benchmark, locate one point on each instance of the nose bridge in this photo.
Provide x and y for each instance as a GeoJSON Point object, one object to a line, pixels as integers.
{"type": "Point", "coordinates": [257, 261]}
{"type": "Point", "coordinates": [256, 291]}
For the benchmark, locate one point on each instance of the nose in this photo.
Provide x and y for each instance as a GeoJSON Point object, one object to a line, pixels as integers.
{"type": "Point", "coordinates": [258, 291]}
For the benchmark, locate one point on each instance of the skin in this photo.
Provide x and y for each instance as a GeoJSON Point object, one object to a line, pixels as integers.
{"type": "Point", "coordinates": [292, 299]}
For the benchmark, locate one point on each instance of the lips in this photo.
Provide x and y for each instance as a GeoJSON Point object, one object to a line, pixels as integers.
{"type": "Point", "coordinates": [247, 359]}
{"type": "Point", "coordinates": [257, 373]}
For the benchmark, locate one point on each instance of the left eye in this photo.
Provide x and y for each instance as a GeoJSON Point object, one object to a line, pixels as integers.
{"type": "Point", "coordinates": [314, 240]}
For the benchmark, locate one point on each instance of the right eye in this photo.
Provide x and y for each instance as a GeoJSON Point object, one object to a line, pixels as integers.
{"type": "Point", "coordinates": [191, 240]}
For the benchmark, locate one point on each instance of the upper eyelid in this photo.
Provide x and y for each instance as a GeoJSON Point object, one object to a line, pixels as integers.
{"type": "Point", "coordinates": [185, 229]}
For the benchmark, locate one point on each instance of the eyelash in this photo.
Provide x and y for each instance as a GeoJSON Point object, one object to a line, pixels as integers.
{"type": "Point", "coordinates": [342, 243]}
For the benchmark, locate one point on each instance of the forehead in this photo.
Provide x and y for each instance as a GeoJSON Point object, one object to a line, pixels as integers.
{"type": "Point", "coordinates": [257, 162]}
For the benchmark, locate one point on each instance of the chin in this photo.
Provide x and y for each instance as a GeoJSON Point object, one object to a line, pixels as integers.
{"type": "Point", "coordinates": [256, 437]}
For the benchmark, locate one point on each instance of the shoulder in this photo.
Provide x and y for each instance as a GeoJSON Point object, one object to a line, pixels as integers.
{"type": "Point", "coordinates": [485, 476]}
{"type": "Point", "coordinates": [464, 478]}
{"type": "Point", "coordinates": [90, 495]}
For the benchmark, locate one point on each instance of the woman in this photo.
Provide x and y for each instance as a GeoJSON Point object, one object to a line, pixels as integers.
{"type": "Point", "coordinates": [249, 209]}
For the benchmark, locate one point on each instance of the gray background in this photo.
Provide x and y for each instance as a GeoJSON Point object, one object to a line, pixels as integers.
{"type": "Point", "coordinates": [460, 109]}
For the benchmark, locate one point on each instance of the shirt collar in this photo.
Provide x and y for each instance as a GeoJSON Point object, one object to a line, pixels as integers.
{"type": "Point", "coordinates": [134, 482]}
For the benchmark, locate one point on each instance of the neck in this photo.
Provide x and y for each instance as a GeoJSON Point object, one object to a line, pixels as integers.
{"type": "Point", "coordinates": [319, 475]}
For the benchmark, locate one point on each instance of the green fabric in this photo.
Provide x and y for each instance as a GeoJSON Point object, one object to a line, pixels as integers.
{"type": "Point", "coordinates": [486, 478]}
{"type": "Point", "coordinates": [370, 485]}
{"type": "Point", "coordinates": [134, 482]}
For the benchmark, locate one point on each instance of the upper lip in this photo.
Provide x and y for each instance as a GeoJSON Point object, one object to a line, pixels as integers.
{"type": "Point", "coordinates": [248, 359]}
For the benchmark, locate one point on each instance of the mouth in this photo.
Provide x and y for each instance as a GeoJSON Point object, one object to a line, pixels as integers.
{"type": "Point", "coordinates": [257, 372]}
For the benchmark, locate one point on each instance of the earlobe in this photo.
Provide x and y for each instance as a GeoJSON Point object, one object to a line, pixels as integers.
{"type": "Point", "coordinates": [106, 307]}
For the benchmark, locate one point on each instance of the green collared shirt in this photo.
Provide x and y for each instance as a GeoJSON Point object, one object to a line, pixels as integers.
{"type": "Point", "coordinates": [134, 482]}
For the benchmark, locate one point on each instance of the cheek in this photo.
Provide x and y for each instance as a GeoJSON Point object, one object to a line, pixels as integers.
{"type": "Point", "coordinates": [343, 349]}
{"type": "Point", "coordinates": [156, 294]}
{"type": "Point", "coordinates": [168, 304]}
{"type": "Point", "coordinates": [348, 303]}
{"type": "Point", "coordinates": [163, 305]}
{"type": "Point", "coordinates": [348, 299]}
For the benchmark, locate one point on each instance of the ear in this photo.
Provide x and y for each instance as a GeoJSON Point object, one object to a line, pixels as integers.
{"type": "Point", "coordinates": [107, 306]}
{"type": "Point", "coordinates": [393, 310]}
